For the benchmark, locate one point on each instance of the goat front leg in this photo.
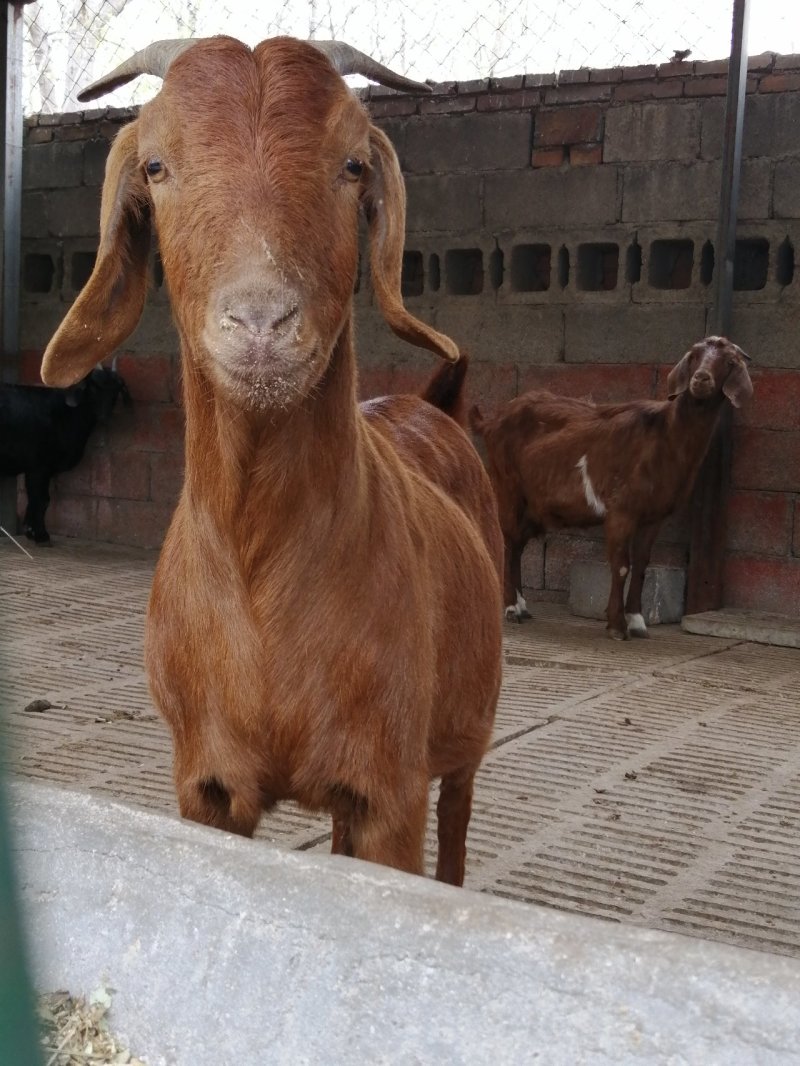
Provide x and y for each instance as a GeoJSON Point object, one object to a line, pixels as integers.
{"type": "Point", "coordinates": [516, 609]}
{"type": "Point", "coordinates": [37, 489]}
{"type": "Point", "coordinates": [618, 535]}
{"type": "Point", "coordinates": [391, 831]}
{"type": "Point", "coordinates": [453, 813]}
{"type": "Point", "coordinates": [641, 549]}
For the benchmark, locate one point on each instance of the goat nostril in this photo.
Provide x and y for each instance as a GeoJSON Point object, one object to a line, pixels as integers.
{"type": "Point", "coordinates": [283, 319]}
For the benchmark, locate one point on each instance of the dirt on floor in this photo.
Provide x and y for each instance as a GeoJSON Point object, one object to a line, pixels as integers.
{"type": "Point", "coordinates": [650, 782]}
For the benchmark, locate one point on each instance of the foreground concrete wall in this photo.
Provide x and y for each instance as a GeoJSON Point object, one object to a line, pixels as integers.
{"type": "Point", "coordinates": [561, 228]}
{"type": "Point", "coordinates": [222, 951]}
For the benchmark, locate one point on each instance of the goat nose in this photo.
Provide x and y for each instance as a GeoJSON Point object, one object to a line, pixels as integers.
{"type": "Point", "coordinates": [259, 318]}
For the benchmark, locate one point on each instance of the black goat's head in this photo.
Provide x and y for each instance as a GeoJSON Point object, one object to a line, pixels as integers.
{"type": "Point", "coordinates": [99, 390]}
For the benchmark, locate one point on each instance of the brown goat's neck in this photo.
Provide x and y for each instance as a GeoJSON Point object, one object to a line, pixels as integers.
{"type": "Point", "coordinates": [693, 423]}
{"type": "Point", "coordinates": [259, 476]}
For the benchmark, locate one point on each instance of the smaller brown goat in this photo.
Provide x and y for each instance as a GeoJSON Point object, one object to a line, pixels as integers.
{"type": "Point", "coordinates": [556, 461]}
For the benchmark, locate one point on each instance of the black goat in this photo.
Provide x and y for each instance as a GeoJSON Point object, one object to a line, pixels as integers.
{"type": "Point", "coordinates": [44, 431]}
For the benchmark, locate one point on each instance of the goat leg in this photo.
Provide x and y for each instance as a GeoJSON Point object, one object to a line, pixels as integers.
{"type": "Point", "coordinates": [641, 548]}
{"type": "Point", "coordinates": [516, 609]}
{"type": "Point", "coordinates": [617, 540]}
{"type": "Point", "coordinates": [453, 812]}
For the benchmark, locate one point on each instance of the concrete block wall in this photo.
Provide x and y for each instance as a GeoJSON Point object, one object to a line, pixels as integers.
{"type": "Point", "coordinates": [560, 228]}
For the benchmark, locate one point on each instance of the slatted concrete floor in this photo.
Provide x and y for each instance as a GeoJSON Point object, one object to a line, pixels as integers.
{"type": "Point", "coordinates": [655, 782]}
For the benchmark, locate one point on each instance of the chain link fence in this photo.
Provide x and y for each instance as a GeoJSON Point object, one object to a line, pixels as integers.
{"type": "Point", "coordinates": [71, 42]}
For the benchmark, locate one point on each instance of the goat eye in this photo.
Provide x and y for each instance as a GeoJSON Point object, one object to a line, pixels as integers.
{"type": "Point", "coordinates": [353, 169]}
{"type": "Point", "coordinates": [155, 170]}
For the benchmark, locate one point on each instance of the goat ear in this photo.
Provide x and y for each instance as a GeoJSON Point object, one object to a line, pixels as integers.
{"type": "Point", "coordinates": [384, 201]}
{"type": "Point", "coordinates": [679, 377]}
{"type": "Point", "coordinates": [738, 387]}
{"type": "Point", "coordinates": [109, 305]}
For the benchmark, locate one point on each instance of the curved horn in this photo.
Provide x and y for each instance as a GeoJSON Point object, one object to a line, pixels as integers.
{"type": "Point", "coordinates": [348, 60]}
{"type": "Point", "coordinates": [155, 59]}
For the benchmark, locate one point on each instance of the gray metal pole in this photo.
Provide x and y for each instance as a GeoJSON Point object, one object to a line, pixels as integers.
{"type": "Point", "coordinates": [731, 170]}
{"type": "Point", "coordinates": [705, 583]}
{"type": "Point", "coordinates": [12, 190]}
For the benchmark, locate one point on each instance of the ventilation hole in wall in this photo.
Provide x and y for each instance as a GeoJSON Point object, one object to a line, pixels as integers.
{"type": "Point", "coordinates": [530, 267]}
{"type": "Point", "coordinates": [37, 272]}
{"type": "Point", "coordinates": [784, 263]}
{"type": "Point", "coordinates": [751, 263]}
{"type": "Point", "coordinates": [562, 266]}
{"type": "Point", "coordinates": [158, 271]}
{"type": "Point", "coordinates": [598, 266]}
{"type": "Point", "coordinates": [633, 263]}
{"type": "Point", "coordinates": [412, 279]}
{"type": "Point", "coordinates": [463, 269]}
{"type": "Point", "coordinates": [671, 264]}
{"type": "Point", "coordinates": [706, 263]}
{"type": "Point", "coordinates": [434, 273]}
{"type": "Point", "coordinates": [496, 268]}
{"type": "Point", "coordinates": [82, 267]}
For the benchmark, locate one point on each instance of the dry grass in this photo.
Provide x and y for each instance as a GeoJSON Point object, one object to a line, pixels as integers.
{"type": "Point", "coordinates": [75, 1032]}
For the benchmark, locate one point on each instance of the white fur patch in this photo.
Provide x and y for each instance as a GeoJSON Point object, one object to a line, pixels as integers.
{"type": "Point", "coordinates": [623, 571]}
{"type": "Point", "coordinates": [636, 623]}
{"type": "Point", "coordinates": [594, 501]}
{"type": "Point", "coordinates": [519, 609]}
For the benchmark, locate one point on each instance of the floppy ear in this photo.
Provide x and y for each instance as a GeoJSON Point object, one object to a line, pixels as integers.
{"type": "Point", "coordinates": [384, 200]}
{"type": "Point", "coordinates": [679, 377]}
{"type": "Point", "coordinates": [738, 387]}
{"type": "Point", "coordinates": [109, 305]}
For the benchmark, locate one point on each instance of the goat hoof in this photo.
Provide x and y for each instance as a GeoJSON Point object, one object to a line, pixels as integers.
{"type": "Point", "coordinates": [636, 625]}
{"type": "Point", "coordinates": [617, 634]}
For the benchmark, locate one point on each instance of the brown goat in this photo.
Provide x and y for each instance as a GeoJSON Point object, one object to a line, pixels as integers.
{"type": "Point", "coordinates": [325, 618]}
{"type": "Point", "coordinates": [556, 461]}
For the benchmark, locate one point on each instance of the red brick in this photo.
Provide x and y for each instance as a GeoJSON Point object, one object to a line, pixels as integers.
{"type": "Point", "coordinates": [548, 157]}
{"type": "Point", "coordinates": [140, 523]}
{"type": "Point", "coordinates": [574, 94]}
{"type": "Point", "coordinates": [581, 155]}
{"type": "Point", "coordinates": [788, 62]}
{"type": "Point", "coordinates": [573, 77]}
{"type": "Point", "coordinates": [379, 109]}
{"type": "Point", "coordinates": [759, 523]}
{"type": "Point", "coordinates": [166, 477]}
{"type": "Point", "coordinates": [779, 83]}
{"type": "Point", "coordinates": [504, 85]}
{"type": "Point", "coordinates": [446, 105]}
{"type": "Point", "coordinates": [766, 459]}
{"type": "Point", "coordinates": [151, 428]}
{"type": "Point", "coordinates": [567, 125]}
{"type": "Point", "coordinates": [639, 73]}
{"type": "Point", "coordinates": [713, 66]}
{"type": "Point", "coordinates": [148, 377]}
{"type": "Point", "coordinates": [606, 75]}
{"type": "Point", "coordinates": [771, 585]}
{"type": "Point", "coordinates": [78, 481]}
{"type": "Point", "coordinates": [522, 100]}
{"type": "Point", "coordinates": [675, 70]}
{"type": "Point", "coordinates": [124, 476]}
{"type": "Point", "coordinates": [409, 377]}
{"type": "Point", "coordinates": [705, 86]}
{"type": "Point", "coordinates": [38, 136]}
{"type": "Point", "coordinates": [776, 400]}
{"type": "Point", "coordinates": [796, 528]}
{"type": "Point", "coordinates": [762, 62]}
{"type": "Point", "coordinates": [648, 90]}
{"type": "Point", "coordinates": [599, 382]}
{"type": "Point", "coordinates": [535, 81]}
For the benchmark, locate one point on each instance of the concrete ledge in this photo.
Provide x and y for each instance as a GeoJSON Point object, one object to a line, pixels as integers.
{"type": "Point", "coordinates": [223, 951]}
{"type": "Point", "coordinates": [745, 625]}
{"type": "Point", "coordinates": [662, 595]}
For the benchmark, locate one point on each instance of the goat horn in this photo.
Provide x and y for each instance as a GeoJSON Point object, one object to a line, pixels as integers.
{"type": "Point", "coordinates": [114, 362]}
{"type": "Point", "coordinates": [348, 60]}
{"type": "Point", "coordinates": [156, 59]}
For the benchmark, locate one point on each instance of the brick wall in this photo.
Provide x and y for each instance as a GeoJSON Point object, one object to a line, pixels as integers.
{"type": "Point", "coordinates": [560, 227]}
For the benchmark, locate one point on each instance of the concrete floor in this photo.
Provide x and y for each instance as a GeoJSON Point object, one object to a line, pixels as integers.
{"type": "Point", "coordinates": [654, 783]}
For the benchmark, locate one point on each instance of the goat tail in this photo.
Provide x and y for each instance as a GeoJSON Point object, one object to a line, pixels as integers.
{"type": "Point", "coordinates": [476, 420]}
{"type": "Point", "coordinates": [445, 389]}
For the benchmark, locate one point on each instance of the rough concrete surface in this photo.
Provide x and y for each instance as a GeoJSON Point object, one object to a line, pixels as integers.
{"type": "Point", "coordinates": [655, 784]}
{"type": "Point", "coordinates": [223, 952]}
